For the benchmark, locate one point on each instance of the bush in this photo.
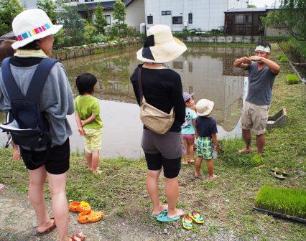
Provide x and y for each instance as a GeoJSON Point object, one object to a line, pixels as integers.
{"type": "Point", "coordinates": [292, 79]}
{"type": "Point", "coordinates": [288, 201]}
{"type": "Point", "coordinates": [282, 58]}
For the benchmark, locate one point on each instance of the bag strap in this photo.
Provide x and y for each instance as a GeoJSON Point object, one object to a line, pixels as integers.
{"type": "Point", "coordinates": [37, 83]}
{"type": "Point", "coordinates": [11, 87]}
{"type": "Point", "coordinates": [140, 85]}
{"type": "Point", "coordinates": [39, 79]}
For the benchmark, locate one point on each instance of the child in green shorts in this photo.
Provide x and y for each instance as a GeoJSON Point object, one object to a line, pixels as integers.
{"type": "Point", "coordinates": [206, 141]}
{"type": "Point", "coordinates": [87, 114]}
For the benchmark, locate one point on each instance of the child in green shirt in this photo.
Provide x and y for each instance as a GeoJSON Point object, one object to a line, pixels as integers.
{"type": "Point", "coordinates": [87, 114]}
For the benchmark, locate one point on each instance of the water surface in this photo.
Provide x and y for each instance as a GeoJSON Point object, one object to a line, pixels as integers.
{"type": "Point", "coordinates": [206, 72]}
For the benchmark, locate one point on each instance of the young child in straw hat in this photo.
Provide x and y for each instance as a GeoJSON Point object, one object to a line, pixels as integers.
{"type": "Point", "coordinates": [206, 141]}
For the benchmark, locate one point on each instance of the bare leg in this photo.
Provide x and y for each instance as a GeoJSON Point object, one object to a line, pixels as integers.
{"type": "Point", "coordinates": [197, 166]}
{"type": "Point", "coordinates": [186, 157]}
{"type": "Point", "coordinates": [152, 188]}
{"type": "Point", "coordinates": [95, 157]}
{"type": "Point", "coordinates": [88, 157]}
{"type": "Point", "coordinates": [190, 152]}
{"type": "Point", "coordinates": [246, 135]}
{"type": "Point", "coordinates": [57, 184]}
{"type": "Point", "coordinates": [172, 194]}
{"type": "Point", "coordinates": [36, 197]}
{"type": "Point", "coordinates": [260, 143]}
{"type": "Point", "coordinates": [210, 168]}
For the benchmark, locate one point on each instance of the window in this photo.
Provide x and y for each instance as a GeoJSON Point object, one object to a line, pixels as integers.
{"type": "Point", "coordinates": [239, 19]}
{"type": "Point", "coordinates": [108, 19]}
{"type": "Point", "coordinates": [165, 12]}
{"type": "Point", "coordinates": [177, 20]}
{"type": "Point", "coordinates": [150, 19]}
{"type": "Point", "coordinates": [190, 18]}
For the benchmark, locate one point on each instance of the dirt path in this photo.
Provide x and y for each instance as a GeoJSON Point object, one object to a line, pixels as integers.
{"type": "Point", "coordinates": [17, 222]}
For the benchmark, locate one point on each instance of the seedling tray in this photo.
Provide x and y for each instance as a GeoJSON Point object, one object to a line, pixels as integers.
{"type": "Point", "coordinates": [281, 215]}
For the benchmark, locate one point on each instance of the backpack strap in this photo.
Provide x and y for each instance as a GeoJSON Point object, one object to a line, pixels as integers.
{"type": "Point", "coordinates": [11, 87]}
{"type": "Point", "coordinates": [39, 79]}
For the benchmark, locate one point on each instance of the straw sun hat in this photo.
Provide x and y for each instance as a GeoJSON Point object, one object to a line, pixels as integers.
{"type": "Point", "coordinates": [204, 107]}
{"type": "Point", "coordinates": [160, 46]}
{"type": "Point", "coordinates": [31, 25]}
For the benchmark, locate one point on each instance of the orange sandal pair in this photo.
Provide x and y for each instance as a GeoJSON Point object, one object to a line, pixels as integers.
{"type": "Point", "coordinates": [91, 217]}
{"type": "Point", "coordinates": [79, 207]}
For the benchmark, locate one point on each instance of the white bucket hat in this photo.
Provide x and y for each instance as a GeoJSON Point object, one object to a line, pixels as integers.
{"type": "Point", "coordinates": [30, 25]}
{"type": "Point", "coordinates": [204, 107]}
{"type": "Point", "coordinates": [160, 46]}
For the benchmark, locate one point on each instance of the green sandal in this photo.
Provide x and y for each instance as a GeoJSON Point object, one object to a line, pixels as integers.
{"type": "Point", "coordinates": [187, 222]}
{"type": "Point", "coordinates": [196, 217]}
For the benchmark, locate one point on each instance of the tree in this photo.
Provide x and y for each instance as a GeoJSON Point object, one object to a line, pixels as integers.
{"type": "Point", "coordinates": [49, 7]}
{"type": "Point", "coordinates": [119, 15]}
{"type": "Point", "coordinates": [73, 25]}
{"type": "Point", "coordinates": [292, 15]}
{"type": "Point", "coordinates": [8, 11]}
{"type": "Point", "coordinates": [119, 12]}
{"type": "Point", "coordinates": [100, 21]}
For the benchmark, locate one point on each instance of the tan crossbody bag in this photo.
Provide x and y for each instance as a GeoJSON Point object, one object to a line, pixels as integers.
{"type": "Point", "coordinates": [153, 118]}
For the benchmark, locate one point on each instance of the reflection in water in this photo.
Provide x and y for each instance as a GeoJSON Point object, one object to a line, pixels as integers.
{"type": "Point", "coordinates": [207, 72]}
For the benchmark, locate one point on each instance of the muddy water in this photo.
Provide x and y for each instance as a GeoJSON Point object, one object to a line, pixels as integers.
{"type": "Point", "coordinates": [206, 72]}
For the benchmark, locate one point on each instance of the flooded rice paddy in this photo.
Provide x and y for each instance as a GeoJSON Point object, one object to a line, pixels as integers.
{"type": "Point", "coordinates": [205, 71]}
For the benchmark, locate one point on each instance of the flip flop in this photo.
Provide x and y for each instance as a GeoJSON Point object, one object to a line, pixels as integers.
{"type": "Point", "coordinates": [187, 222]}
{"type": "Point", "coordinates": [244, 151]}
{"type": "Point", "coordinates": [79, 207]}
{"type": "Point", "coordinates": [279, 171]}
{"type": "Point", "coordinates": [48, 230]}
{"type": "Point", "coordinates": [166, 219]}
{"type": "Point", "coordinates": [162, 213]}
{"type": "Point", "coordinates": [196, 217]}
{"type": "Point", "coordinates": [91, 217]}
{"type": "Point", "coordinates": [278, 176]}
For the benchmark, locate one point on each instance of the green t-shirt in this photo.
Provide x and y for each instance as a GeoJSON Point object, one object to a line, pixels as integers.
{"type": "Point", "coordinates": [85, 106]}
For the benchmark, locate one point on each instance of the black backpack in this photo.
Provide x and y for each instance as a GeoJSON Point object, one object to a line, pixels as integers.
{"type": "Point", "coordinates": [27, 125]}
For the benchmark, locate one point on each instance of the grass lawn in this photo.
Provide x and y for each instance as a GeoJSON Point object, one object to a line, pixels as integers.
{"type": "Point", "coordinates": [226, 202]}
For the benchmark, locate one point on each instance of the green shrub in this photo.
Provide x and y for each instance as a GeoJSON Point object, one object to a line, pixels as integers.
{"type": "Point", "coordinates": [282, 58]}
{"type": "Point", "coordinates": [292, 79]}
{"type": "Point", "coordinates": [288, 201]}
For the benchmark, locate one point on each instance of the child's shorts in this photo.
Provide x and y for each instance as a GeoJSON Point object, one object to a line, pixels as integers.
{"type": "Point", "coordinates": [93, 140]}
{"type": "Point", "coordinates": [189, 138]}
{"type": "Point", "coordinates": [204, 148]}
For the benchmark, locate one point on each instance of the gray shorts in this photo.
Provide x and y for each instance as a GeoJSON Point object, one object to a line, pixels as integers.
{"type": "Point", "coordinates": [254, 117]}
{"type": "Point", "coordinates": [168, 145]}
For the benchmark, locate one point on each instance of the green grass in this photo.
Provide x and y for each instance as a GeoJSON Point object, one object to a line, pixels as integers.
{"type": "Point", "coordinates": [290, 201]}
{"type": "Point", "coordinates": [292, 79]}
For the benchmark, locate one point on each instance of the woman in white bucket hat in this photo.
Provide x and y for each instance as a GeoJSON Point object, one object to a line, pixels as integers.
{"type": "Point", "coordinates": [34, 42]}
{"type": "Point", "coordinates": [161, 88]}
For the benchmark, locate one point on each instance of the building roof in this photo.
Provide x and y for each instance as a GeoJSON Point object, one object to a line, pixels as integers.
{"type": "Point", "coordinates": [239, 10]}
{"type": "Point", "coordinates": [106, 5]}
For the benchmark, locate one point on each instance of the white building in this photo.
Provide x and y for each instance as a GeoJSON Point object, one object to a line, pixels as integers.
{"type": "Point", "coordinates": [203, 15]}
{"type": "Point", "coordinates": [134, 10]}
